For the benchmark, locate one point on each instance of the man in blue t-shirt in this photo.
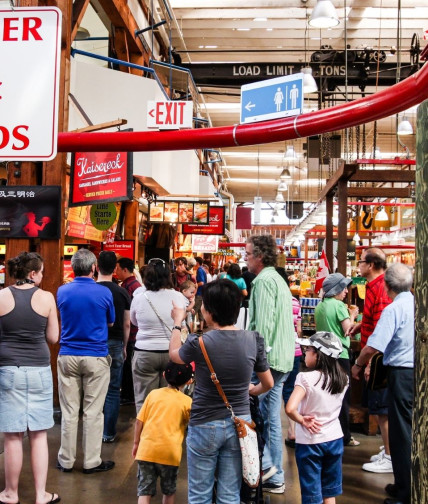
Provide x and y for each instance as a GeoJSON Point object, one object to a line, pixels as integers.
{"type": "Point", "coordinates": [86, 310]}
{"type": "Point", "coordinates": [201, 280]}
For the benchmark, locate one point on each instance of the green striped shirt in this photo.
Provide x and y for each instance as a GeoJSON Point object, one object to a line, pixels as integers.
{"type": "Point", "coordinates": [271, 314]}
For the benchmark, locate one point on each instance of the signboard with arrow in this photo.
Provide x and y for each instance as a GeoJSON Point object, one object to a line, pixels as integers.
{"type": "Point", "coordinates": [272, 98]}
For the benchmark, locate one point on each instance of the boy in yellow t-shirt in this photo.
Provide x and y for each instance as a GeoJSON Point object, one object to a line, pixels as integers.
{"type": "Point", "coordinates": [159, 433]}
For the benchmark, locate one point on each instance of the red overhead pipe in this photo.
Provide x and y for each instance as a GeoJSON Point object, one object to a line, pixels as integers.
{"type": "Point", "coordinates": [397, 98]}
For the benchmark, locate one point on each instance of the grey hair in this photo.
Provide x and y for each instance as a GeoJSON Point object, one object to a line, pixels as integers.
{"type": "Point", "coordinates": [264, 246]}
{"type": "Point", "coordinates": [399, 278]}
{"type": "Point", "coordinates": [82, 262]}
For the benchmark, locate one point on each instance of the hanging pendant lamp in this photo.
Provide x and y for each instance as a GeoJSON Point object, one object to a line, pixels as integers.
{"type": "Point", "coordinates": [324, 15]}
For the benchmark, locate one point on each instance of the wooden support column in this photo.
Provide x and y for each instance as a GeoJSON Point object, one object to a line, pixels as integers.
{"type": "Point", "coordinates": [420, 408]}
{"type": "Point", "coordinates": [54, 173]}
{"type": "Point", "coordinates": [342, 241]}
{"type": "Point", "coordinates": [329, 230]}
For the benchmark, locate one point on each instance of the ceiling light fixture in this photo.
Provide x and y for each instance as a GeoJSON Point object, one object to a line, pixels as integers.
{"type": "Point", "coordinates": [324, 15]}
{"type": "Point", "coordinates": [404, 128]}
{"type": "Point", "coordinates": [279, 198]}
{"type": "Point", "coordinates": [290, 154]}
{"type": "Point", "coordinates": [282, 186]}
{"type": "Point", "coordinates": [309, 83]}
{"type": "Point", "coordinates": [381, 217]}
{"type": "Point", "coordinates": [285, 174]}
{"type": "Point", "coordinates": [82, 34]}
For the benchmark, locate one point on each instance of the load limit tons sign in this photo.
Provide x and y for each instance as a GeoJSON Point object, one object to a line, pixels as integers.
{"type": "Point", "coordinates": [169, 114]}
{"type": "Point", "coordinates": [30, 48]}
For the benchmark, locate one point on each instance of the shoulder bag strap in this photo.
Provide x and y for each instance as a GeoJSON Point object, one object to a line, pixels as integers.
{"type": "Point", "coordinates": [214, 376]}
{"type": "Point", "coordinates": [157, 314]}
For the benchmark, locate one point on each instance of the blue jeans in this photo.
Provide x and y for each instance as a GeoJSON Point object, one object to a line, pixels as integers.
{"type": "Point", "coordinates": [288, 386]}
{"type": "Point", "coordinates": [214, 446]}
{"type": "Point", "coordinates": [112, 402]}
{"type": "Point", "coordinates": [270, 407]}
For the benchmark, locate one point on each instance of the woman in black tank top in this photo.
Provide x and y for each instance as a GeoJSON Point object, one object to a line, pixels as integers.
{"type": "Point", "coordinates": [28, 322]}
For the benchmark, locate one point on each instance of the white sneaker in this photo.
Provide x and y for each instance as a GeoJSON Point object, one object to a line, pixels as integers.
{"type": "Point", "coordinates": [269, 473]}
{"type": "Point", "coordinates": [379, 455]}
{"type": "Point", "coordinates": [274, 488]}
{"type": "Point", "coordinates": [383, 465]}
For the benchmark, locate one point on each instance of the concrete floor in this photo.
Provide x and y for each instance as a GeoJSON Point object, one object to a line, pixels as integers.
{"type": "Point", "coordinates": [119, 485]}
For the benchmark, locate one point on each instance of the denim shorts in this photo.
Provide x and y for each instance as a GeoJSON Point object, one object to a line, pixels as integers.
{"type": "Point", "coordinates": [320, 470]}
{"type": "Point", "coordinates": [148, 473]}
{"type": "Point", "coordinates": [378, 401]}
{"type": "Point", "coordinates": [26, 398]}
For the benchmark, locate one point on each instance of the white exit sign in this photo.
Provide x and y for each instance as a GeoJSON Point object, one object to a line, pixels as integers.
{"type": "Point", "coordinates": [169, 114]}
{"type": "Point", "coordinates": [30, 49]}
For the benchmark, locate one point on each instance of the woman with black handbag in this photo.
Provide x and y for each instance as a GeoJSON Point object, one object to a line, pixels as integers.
{"type": "Point", "coordinates": [212, 441]}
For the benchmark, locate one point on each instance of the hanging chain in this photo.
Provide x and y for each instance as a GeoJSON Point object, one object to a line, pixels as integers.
{"type": "Point", "coordinates": [374, 146]}
{"type": "Point", "coordinates": [358, 135]}
{"type": "Point", "coordinates": [320, 160]}
{"type": "Point", "coordinates": [350, 144]}
{"type": "Point", "coordinates": [364, 142]}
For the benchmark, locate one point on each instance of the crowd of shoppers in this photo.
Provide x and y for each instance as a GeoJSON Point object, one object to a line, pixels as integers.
{"type": "Point", "coordinates": [264, 360]}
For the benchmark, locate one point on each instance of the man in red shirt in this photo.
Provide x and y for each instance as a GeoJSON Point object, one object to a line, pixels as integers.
{"type": "Point", "coordinates": [372, 266]}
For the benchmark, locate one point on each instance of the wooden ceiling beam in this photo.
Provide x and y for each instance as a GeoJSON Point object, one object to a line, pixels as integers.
{"type": "Point", "coordinates": [379, 192]}
{"type": "Point", "coordinates": [383, 176]}
{"type": "Point", "coordinates": [121, 17]}
{"type": "Point", "coordinates": [79, 9]}
{"type": "Point", "coordinates": [344, 172]}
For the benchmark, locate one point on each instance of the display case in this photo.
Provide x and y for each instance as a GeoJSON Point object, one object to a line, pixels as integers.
{"type": "Point", "coordinates": [308, 306]}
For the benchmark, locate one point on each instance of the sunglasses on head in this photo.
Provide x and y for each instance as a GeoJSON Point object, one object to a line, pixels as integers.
{"type": "Point", "coordinates": [157, 261]}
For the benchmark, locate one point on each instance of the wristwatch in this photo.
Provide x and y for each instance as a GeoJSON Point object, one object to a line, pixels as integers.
{"type": "Point", "coordinates": [356, 364]}
{"type": "Point", "coordinates": [177, 327]}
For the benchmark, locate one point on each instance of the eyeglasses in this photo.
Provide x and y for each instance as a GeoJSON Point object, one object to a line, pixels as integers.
{"type": "Point", "coordinates": [157, 260]}
{"type": "Point", "coordinates": [359, 262]}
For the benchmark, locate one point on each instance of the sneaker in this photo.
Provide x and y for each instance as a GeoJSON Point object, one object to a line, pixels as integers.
{"type": "Point", "coordinates": [276, 488]}
{"type": "Point", "coordinates": [382, 465]}
{"type": "Point", "coordinates": [379, 455]}
{"type": "Point", "coordinates": [109, 439]}
{"type": "Point", "coordinates": [353, 442]}
{"type": "Point", "coordinates": [269, 473]}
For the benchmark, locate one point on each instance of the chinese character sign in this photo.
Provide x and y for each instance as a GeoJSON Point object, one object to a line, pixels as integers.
{"type": "Point", "coordinates": [30, 212]}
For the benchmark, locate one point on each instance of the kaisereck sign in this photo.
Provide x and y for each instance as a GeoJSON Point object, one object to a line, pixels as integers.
{"type": "Point", "coordinates": [30, 51]}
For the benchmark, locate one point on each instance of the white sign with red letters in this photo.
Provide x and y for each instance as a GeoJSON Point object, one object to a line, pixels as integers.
{"type": "Point", "coordinates": [30, 49]}
{"type": "Point", "coordinates": [169, 114]}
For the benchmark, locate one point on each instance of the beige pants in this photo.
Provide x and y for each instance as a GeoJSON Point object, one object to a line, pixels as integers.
{"type": "Point", "coordinates": [88, 377]}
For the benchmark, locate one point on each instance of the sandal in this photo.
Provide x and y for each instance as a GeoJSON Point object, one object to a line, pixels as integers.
{"type": "Point", "coordinates": [54, 499]}
{"type": "Point", "coordinates": [353, 442]}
